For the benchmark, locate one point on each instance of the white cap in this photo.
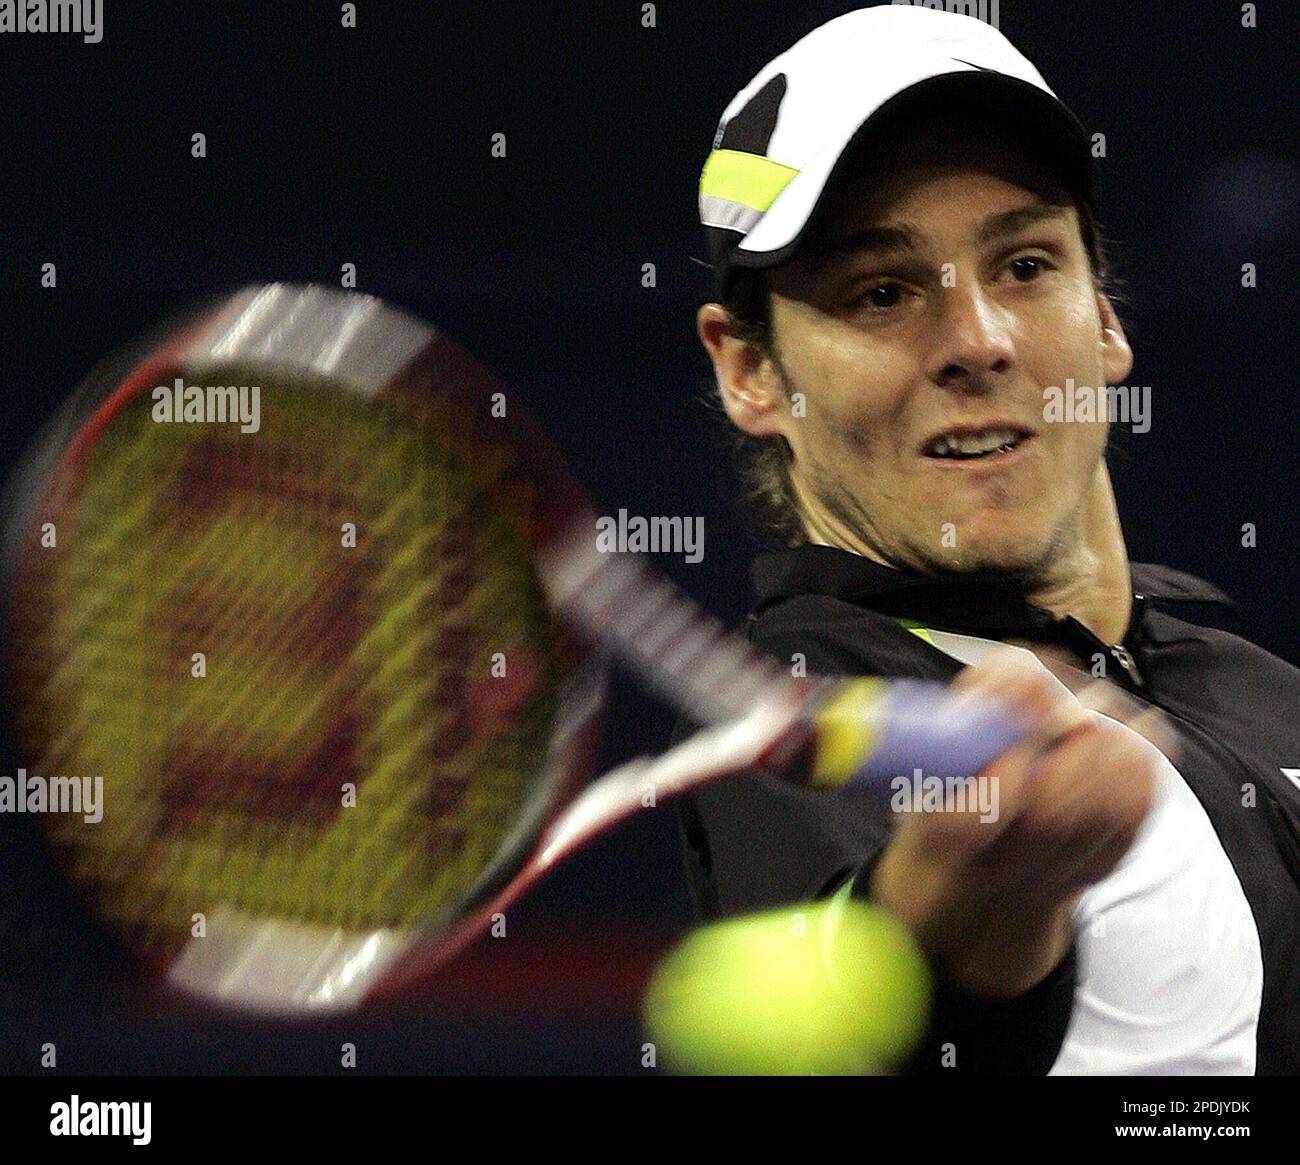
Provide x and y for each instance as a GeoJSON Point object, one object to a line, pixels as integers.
{"type": "Point", "coordinates": [780, 138]}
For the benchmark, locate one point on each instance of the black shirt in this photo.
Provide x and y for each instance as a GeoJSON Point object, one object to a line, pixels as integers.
{"type": "Point", "coordinates": [760, 842]}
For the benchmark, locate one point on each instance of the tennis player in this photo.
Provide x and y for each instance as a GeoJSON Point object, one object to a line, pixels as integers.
{"type": "Point", "coordinates": [913, 339]}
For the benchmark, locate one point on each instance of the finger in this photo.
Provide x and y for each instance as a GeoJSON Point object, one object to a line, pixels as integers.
{"type": "Point", "coordinates": [1097, 781]}
{"type": "Point", "coordinates": [973, 820]}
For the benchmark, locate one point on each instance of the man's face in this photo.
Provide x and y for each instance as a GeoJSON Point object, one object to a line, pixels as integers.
{"type": "Point", "coordinates": [946, 288]}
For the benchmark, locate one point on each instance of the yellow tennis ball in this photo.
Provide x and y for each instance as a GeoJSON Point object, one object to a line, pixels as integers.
{"type": "Point", "coordinates": [832, 988]}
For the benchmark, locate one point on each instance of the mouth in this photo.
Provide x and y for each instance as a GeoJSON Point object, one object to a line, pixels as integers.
{"type": "Point", "coordinates": [968, 443]}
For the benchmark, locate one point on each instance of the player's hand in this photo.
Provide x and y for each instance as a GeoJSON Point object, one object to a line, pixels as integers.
{"type": "Point", "coordinates": [991, 901]}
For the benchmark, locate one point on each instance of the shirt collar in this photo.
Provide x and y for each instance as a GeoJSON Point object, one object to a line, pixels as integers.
{"type": "Point", "coordinates": [976, 602]}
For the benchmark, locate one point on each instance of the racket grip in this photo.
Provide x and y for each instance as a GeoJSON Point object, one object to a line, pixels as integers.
{"type": "Point", "coordinates": [872, 730]}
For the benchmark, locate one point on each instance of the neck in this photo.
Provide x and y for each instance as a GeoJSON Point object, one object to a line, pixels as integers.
{"type": "Point", "coordinates": [1091, 581]}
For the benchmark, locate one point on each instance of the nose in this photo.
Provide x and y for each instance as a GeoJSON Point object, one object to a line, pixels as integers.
{"type": "Point", "coordinates": [974, 344]}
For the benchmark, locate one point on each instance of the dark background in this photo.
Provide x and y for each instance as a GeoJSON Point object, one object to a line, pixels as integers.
{"type": "Point", "coordinates": [372, 146]}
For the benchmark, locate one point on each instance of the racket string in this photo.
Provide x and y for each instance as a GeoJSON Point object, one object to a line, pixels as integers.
{"type": "Point", "coordinates": [323, 665]}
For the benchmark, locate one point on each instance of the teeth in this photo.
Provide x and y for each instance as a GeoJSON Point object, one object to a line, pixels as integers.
{"type": "Point", "coordinates": [971, 444]}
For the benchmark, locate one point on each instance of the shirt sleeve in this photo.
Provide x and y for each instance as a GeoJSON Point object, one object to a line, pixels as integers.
{"type": "Point", "coordinates": [970, 1036]}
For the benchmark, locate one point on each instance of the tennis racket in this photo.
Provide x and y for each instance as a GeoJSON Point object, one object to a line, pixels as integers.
{"type": "Point", "coordinates": [340, 664]}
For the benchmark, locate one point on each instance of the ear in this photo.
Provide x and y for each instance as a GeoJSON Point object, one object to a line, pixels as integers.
{"type": "Point", "coordinates": [1116, 355]}
{"type": "Point", "coordinates": [748, 382]}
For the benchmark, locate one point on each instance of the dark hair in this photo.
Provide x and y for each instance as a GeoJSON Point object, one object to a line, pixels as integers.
{"type": "Point", "coordinates": [763, 463]}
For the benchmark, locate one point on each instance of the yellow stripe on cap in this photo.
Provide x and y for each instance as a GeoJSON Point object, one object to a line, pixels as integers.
{"type": "Point", "coordinates": [847, 731]}
{"type": "Point", "coordinates": [749, 179]}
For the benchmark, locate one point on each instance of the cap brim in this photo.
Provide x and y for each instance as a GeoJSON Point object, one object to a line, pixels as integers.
{"type": "Point", "coordinates": [1040, 118]}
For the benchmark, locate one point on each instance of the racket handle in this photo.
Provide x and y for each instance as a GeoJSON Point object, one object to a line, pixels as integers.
{"type": "Point", "coordinates": [871, 730]}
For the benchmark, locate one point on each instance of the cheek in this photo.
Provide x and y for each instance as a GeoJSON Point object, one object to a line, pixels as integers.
{"type": "Point", "coordinates": [1067, 363]}
{"type": "Point", "coordinates": [850, 427]}
{"type": "Point", "coordinates": [1093, 442]}
{"type": "Point", "coordinates": [849, 413]}
{"type": "Point", "coordinates": [1073, 450]}
{"type": "Point", "coordinates": [1066, 342]}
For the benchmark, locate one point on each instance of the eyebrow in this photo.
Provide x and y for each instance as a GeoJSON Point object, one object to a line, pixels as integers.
{"type": "Point", "coordinates": [898, 239]}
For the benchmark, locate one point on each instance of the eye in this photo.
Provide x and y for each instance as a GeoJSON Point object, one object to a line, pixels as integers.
{"type": "Point", "coordinates": [1027, 268]}
{"type": "Point", "coordinates": [879, 296]}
